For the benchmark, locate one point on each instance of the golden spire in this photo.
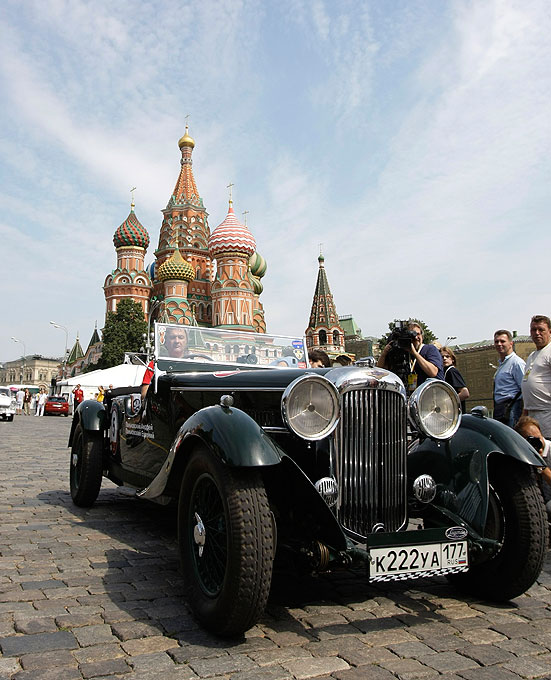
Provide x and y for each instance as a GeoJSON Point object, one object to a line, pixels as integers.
{"type": "Point", "coordinates": [186, 140]}
{"type": "Point", "coordinates": [132, 205]}
{"type": "Point", "coordinates": [230, 185]}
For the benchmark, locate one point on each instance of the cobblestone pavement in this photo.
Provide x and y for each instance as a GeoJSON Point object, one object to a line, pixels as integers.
{"type": "Point", "coordinates": [94, 593]}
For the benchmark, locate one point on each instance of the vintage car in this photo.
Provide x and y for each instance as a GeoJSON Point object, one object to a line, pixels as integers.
{"type": "Point", "coordinates": [272, 462]}
{"type": "Point", "coordinates": [7, 404]}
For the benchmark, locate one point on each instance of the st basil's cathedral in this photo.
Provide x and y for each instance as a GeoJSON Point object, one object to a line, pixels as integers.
{"type": "Point", "coordinates": [197, 277]}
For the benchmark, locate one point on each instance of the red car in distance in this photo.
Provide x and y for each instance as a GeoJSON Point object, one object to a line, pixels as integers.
{"type": "Point", "coordinates": [56, 406]}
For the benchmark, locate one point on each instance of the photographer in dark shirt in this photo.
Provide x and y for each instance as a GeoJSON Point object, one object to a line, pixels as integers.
{"type": "Point", "coordinates": [425, 360]}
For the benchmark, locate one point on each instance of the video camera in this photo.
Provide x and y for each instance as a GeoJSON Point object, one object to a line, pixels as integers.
{"type": "Point", "coordinates": [398, 358]}
{"type": "Point", "coordinates": [401, 336]}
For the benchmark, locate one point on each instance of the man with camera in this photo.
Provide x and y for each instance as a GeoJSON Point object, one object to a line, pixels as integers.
{"type": "Point", "coordinates": [425, 361]}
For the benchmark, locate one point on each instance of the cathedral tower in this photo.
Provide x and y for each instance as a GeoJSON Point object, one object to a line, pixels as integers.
{"type": "Point", "coordinates": [185, 228]}
{"type": "Point", "coordinates": [324, 331]}
{"type": "Point", "coordinates": [233, 295]}
{"type": "Point", "coordinates": [129, 279]}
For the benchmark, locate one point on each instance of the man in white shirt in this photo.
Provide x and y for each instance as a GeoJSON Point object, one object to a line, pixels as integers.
{"type": "Point", "coordinates": [536, 384]}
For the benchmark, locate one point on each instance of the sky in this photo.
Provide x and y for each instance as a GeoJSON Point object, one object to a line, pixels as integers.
{"type": "Point", "coordinates": [411, 139]}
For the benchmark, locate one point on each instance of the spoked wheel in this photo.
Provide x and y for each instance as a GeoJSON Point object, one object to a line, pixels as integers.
{"type": "Point", "coordinates": [517, 519]}
{"type": "Point", "coordinates": [226, 541]}
{"type": "Point", "coordinates": [85, 471]}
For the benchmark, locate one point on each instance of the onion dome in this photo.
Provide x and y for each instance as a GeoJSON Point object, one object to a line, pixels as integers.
{"type": "Point", "coordinates": [131, 233]}
{"type": "Point", "coordinates": [231, 236]}
{"type": "Point", "coordinates": [175, 268]}
{"type": "Point", "coordinates": [258, 265]}
{"type": "Point", "coordinates": [150, 269]}
{"type": "Point", "coordinates": [186, 140]}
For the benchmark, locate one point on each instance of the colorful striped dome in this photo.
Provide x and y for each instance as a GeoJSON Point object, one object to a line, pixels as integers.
{"type": "Point", "coordinates": [131, 233]}
{"type": "Point", "coordinates": [175, 268]}
{"type": "Point", "coordinates": [231, 236]}
{"type": "Point", "coordinates": [258, 265]}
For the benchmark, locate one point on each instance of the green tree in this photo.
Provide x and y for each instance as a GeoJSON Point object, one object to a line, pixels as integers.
{"type": "Point", "coordinates": [123, 332]}
{"type": "Point", "coordinates": [428, 335]}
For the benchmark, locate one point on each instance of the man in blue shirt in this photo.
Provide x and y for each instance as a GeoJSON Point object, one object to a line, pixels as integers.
{"type": "Point", "coordinates": [507, 380]}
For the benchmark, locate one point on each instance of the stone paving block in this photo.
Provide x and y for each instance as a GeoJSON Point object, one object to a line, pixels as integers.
{"type": "Point", "coordinates": [271, 673]}
{"type": "Point", "coordinates": [517, 630]}
{"type": "Point", "coordinates": [278, 656]}
{"type": "Point", "coordinates": [364, 673]}
{"type": "Point", "coordinates": [8, 666]}
{"type": "Point", "coordinates": [24, 624]}
{"type": "Point", "coordinates": [448, 662]}
{"type": "Point", "coordinates": [147, 645]}
{"type": "Point", "coordinates": [78, 620]}
{"type": "Point", "coordinates": [531, 667]}
{"type": "Point", "coordinates": [445, 643]}
{"type": "Point", "coordinates": [98, 653]}
{"type": "Point", "coordinates": [40, 642]}
{"type": "Point", "coordinates": [487, 655]}
{"type": "Point", "coordinates": [489, 673]}
{"type": "Point", "coordinates": [104, 668]}
{"type": "Point", "coordinates": [314, 667]}
{"type": "Point", "coordinates": [335, 646]}
{"type": "Point", "coordinates": [409, 669]}
{"type": "Point", "coordinates": [523, 647]}
{"type": "Point", "coordinates": [153, 663]}
{"type": "Point", "coordinates": [94, 635]}
{"type": "Point", "coordinates": [221, 665]}
{"type": "Point", "coordinates": [49, 674]}
{"type": "Point", "coordinates": [411, 650]}
{"type": "Point", "coordinates": [54, 659]}
{"type": "Point", "coordinates": [484, 636]}
{"type": "Point", "coordinates": [135, 629]}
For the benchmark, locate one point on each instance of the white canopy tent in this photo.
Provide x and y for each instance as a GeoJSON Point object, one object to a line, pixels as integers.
{"type": "Point", "coordinates": [123, 375]}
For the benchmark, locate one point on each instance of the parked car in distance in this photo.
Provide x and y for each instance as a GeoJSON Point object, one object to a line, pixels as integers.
{"type": "Point", "coordinates": [7, 404]}
{"type": "Point", "coordinates": [272, 463]}
{"type": "Point", "coordinates": [55, 405]}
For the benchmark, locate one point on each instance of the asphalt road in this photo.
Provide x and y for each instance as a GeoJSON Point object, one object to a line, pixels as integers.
{"type": "Point", "coordinates": [97, 593]}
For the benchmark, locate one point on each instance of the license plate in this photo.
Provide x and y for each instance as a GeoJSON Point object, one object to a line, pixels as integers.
{"type": "Point", "coordinates": [417, 558]}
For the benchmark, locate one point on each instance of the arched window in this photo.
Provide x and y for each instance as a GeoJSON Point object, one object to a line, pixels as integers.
{"type": "Point", "coordinates": [336, 337]}
{"type": "Point", "coordinates": [323, 337]}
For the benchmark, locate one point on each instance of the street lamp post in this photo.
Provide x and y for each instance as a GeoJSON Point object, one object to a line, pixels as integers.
{"type": "Point", "coordinates": [24, 358]}
{"type": "Point", "coordinates": [58, 325]}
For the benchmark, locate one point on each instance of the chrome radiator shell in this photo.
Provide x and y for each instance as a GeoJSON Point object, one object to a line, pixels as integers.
{"type": "Point", "coordinates": [369, 458]}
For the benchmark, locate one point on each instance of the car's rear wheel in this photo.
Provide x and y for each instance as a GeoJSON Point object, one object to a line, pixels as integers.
{"type": "Point", "coordinates": [85, 471]}
{"type": "Point", "coordinates": [9, 418]}
{"type": "Point", "coordinates": [226, 542]}
{"type": "Point", "coordinates": [517, 519]}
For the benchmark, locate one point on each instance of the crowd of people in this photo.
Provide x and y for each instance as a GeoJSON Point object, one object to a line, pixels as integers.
{"type": "Point", "coordinates": [27, 401]}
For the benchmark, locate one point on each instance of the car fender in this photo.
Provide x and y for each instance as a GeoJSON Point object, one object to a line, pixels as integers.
{"type": "Point", "coordinates": [232, 435]}
{"type": "Point", "coordinates": [460, 465]}
{"type": "Point", "coordinates": [91, 415]}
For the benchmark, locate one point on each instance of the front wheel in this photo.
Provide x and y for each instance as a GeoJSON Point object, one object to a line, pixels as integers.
{"type": "Point", "coordinates": [517, 519]}
{"type": "Point", "coordinates": [226, 542]}
{"type": "Point", "coordinates": [86, 469]}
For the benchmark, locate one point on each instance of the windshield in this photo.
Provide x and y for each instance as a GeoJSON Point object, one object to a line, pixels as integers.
{"type": "Point", "coordinates": [193, 343]}
{"type": "Point", "coordinates": [5, 391]}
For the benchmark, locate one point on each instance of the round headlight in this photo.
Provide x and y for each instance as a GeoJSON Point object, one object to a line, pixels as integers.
{"type": "Point", "coordinates": [435, 409]}
{"type": "Point", "coordinates": [310, 406]}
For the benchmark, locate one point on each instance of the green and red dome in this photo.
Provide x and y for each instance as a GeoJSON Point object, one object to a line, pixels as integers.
{"type": "Point", "coordinates": [131, 233]}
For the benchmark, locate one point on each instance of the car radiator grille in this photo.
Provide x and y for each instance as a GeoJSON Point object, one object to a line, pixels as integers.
{"type": "Point", "coordinates": [371, 461]}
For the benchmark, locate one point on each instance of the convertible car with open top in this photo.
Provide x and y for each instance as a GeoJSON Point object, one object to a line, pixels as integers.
{"type": "Point", "coordinates": [269, 460]}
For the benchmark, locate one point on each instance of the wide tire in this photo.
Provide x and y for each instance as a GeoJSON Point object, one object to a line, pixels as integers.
{"type": "Point", "coordinates": [226, 542]}
{"type": "Point", "coordinates": [517, 518]}
{"type": "Point", "coordinates": [86, 468]}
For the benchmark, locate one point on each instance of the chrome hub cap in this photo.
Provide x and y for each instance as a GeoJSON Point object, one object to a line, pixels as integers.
{"type": "Point", "coordinates": [199, 534]}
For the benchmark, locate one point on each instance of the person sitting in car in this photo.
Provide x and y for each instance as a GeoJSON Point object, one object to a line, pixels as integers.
{"type": "Point", "coordinates": [529, 428]}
